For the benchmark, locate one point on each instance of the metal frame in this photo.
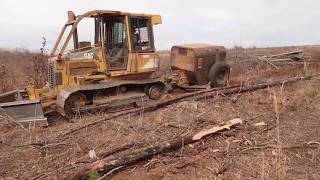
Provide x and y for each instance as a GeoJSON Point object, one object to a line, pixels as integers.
{"type": "Point", "coordinates": [156, 20]}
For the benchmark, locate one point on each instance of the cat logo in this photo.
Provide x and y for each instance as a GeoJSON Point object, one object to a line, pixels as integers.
{"type": "Point", "coordinates": [88, 55]}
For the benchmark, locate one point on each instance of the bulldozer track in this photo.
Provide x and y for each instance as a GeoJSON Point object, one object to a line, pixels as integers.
{"type": "Point", "coordinates": [196, 96]}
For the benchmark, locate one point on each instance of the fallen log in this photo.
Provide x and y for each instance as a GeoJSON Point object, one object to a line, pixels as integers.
{"type": "Point", "coordinates": [269, 62]}
{"type": "Point", "coordinates": [308, 145]}
{"type": "Point", "coordinates": [105, 165]}
{"type": "Point", "coordinates": [254, 87]}
{"type": "Point", "coordinates": [195, 96]}
{"type": "Point", "coordinates": [297, 54]}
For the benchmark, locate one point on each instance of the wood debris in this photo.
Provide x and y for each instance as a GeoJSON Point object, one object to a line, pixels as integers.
{"type": "Point", "coordinates": [103, 166]}
{"type": "Point", "coordinates": [294, 56]}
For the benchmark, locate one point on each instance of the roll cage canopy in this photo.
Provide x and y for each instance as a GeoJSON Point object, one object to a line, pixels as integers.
{"type": "Point", "coordinates": [74, 20]}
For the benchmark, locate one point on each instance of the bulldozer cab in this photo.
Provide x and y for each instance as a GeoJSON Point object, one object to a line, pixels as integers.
{"type": "Point", "coordinates": [122, 42]}
{"type": "Point", "coordinates": [118, 41]}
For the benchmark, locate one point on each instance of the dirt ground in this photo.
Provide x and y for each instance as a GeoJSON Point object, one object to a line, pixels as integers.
{"type": "Point", "coordinates": [279, 139]}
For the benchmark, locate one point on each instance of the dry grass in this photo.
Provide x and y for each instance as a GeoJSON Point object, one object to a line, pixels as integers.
{"type": "Point", "coordinates": [290, 113]}
{"type": "Point", "coordinates": [19, 68]}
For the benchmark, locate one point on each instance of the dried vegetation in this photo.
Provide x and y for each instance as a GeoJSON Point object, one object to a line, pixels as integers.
{"type": "Point", "coordinates": [20, 67]}
{"type": "Point", "coordinates": [279, 139]}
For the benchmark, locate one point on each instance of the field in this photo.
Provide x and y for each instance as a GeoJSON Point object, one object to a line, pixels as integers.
{"type": "Point", "coordinates": [19, 68]}
{"type": "Point", "coordinates": [279, 139]}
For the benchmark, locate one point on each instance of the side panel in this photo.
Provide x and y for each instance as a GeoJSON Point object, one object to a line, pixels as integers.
{"type": "Point", "coordinates": [82, 68]}
{"type": "Point", "coordinates": [147, 62]}
{"type": "Point", "coordinates": [65, 72]}
{"type": "Point", "coordinates": [182, 58]}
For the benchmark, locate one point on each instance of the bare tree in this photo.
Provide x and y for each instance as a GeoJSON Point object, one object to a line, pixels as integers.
{"type": "Point", "coordinates": [2, 75]}
{"type": "Point", "coordinates": [38, 73]}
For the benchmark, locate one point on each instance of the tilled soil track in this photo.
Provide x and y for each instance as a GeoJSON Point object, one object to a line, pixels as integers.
{"type": "Point", "coordinates": [247, 152]}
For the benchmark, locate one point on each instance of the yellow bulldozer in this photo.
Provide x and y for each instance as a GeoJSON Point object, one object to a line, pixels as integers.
{"type": "Point", "coordinates": [119, 68]}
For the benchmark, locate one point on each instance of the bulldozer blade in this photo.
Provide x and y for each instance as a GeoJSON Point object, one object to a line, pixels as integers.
{"type": "Point", "coordinates": [23, 112]}
{"type": "Point", "coordinates": [11, 96]}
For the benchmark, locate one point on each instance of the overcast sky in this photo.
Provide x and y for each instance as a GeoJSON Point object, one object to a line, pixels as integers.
{"type": "Point", "coordinates": [228, 22]}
